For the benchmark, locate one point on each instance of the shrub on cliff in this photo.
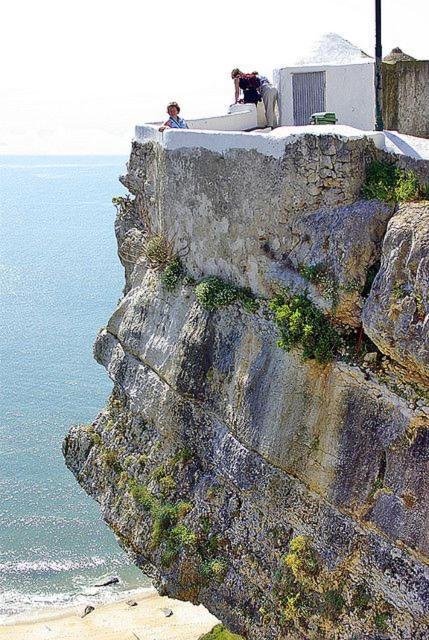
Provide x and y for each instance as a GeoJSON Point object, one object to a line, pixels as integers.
{"type": "Point", "coordinates": [301, 323]}
{"type": "Point", "coordinates": [391, 184]}
{"type": "Point", "coordinates": [213, 292]}
{"type": "Point", "coordinates": [172, 274]}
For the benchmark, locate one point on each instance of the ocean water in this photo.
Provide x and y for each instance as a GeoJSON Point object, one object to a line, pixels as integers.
{"type": "Point", "coordinates": [60, 279]}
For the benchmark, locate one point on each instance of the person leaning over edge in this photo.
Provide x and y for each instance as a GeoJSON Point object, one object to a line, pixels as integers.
{"type": "Point", "coordinates": [248, 84]}
{"type": "Point", "coordinates": [173, 122]}
{"type": "Point", "coordinates": [270, 97]}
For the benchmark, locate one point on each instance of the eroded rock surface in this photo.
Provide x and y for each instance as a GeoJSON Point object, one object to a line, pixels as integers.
{"type": "Point", "coordinates": [396, 314]}
{"type": "Point", "coordinates": [287, 496]}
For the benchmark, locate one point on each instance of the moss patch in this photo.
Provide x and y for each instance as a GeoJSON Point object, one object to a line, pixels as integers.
{"type": "Point", "coordinates": [219, 632]}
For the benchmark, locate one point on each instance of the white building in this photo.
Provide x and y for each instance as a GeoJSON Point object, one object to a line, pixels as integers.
{"type": "Point", "coordinates": [334, 76]}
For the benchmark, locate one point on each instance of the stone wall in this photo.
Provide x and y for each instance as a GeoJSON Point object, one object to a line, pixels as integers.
{"type": "Point", "coordinates": [256, 219]}
{"type": "Point", "coordinates": [406, 97]}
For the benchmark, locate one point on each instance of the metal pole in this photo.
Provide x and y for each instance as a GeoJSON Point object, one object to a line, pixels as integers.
{"type": "Point", "coordinates": [378, 72]}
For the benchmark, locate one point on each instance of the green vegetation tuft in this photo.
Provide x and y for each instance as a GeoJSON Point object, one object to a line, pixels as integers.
{"type": "Point", "coordinates": [318, 274]}
{"type": "Point", "coordinates": [183, 456]}
{"type": "Point", "coordinates": [96, 439]}
{"type": "Point", "coordinates": [110, 459]}
{"type": "Point", "coordinates": [361, 598]}
{"type": "Point", "coordinates": [381, 621]}
{"type": "Point", "coordinates": [142, 495]}
{"type": "Point", "coordinates": [159, 251]}
{"type": "Point", "coordinates": [123, 205]}
{"type": "Point", "coordinates": [301, 323]}
{"type": "Point", "coordinates": [215, 569]}
{"type": "Point", "coordinates": [391, 184]}
{"type": "Point", "coordinates": [219, 632]}
{"type": "Point", "coordinates": [167, 485]}
{"type": "Point", "coordinates": [333, 603]}
{"type": "Point", "coordinates": [399, 292]}
{"type": "Point", "coordinates": [173, 274]}
{"type": "Point", "coordinates": [212, 293]}
{"type": "Point", "coordinates": [167, 528]}
{"type": "Point", "coordinates": [301, 559]}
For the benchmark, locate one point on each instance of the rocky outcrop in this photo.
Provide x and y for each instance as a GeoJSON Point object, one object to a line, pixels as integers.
{"type": "Point", "coordinates": [396, 314]}
{"type": "Point", "coordinates": [286, 495]}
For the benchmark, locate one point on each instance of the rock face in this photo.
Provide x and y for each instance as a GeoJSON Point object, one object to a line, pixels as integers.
{"type": "Point", "coordinates": [289, 497]}
{"type": "Point", "coordinates": [406, 96]}
{"type": "Point", "coordinates": [396, 312]}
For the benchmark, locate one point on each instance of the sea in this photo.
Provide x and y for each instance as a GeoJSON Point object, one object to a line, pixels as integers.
{"type": "Point", "coordinates": [60, 280]}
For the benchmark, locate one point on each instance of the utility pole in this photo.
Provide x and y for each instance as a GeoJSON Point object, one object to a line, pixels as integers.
{"type": "Point", "coordinates": [378, 72]}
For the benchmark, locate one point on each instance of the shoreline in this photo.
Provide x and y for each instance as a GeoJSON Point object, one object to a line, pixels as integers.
{"type": "Point", "coordinates": [48, 612]}
{"type": "Point", "coordinates": [116, 621]}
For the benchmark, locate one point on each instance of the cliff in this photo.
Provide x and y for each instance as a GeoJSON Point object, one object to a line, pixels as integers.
{"type": "Point", "coordinates": [265, 449]}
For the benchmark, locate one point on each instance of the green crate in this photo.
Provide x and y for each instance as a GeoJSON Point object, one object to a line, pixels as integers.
{"type": "Point", "coordinates": [324, 117]}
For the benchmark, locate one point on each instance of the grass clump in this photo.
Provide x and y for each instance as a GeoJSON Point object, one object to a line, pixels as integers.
{"type": "Point", "coordinates": [391, 184]}
{"type": "Point", "coordinates": [333, 604]}
{"type": "Point", "coordinates": [167, 528]}
{"type": "Point", "coordinates": [96, 439]}
{"type": "Point", "coordinates": [219, 632]}
{"type": "Point", "coordinates": [173, 274]}
{"type": "Point", "coordinates": [142, 495]}
{"type": "Point", "coordinates": [167, 485]}
{"type": "Point", "coordinates": [212, 293]}
{"type": "Point", "coordinates": [183, 456]}
{"type": "Point", "coordinates": [301, 323]}
{"type": "Point", "coordinates": [159, 252]}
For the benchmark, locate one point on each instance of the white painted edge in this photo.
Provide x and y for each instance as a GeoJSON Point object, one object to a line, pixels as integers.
{"type": "Point", "coordinates": [316, 66]}
{"type": "Point", "coordinates": [274, 142]}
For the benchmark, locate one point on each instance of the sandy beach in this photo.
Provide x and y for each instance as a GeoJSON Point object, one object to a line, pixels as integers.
{"type": "Point", "coordinates": [118, 621]}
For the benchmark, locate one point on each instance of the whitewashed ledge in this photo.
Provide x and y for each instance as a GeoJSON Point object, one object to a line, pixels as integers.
{"type": "Point", "coordinates": [272, 143]}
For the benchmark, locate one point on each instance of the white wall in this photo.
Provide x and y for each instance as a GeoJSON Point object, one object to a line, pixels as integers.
{"type": "Point", "coordinates": [240, 117]}
{"type": "Point", "coordinates": [349, 93]}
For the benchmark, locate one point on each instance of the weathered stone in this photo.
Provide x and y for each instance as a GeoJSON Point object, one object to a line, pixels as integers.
{"type": "Point", "coordinates": [253, 446]}
{"type": "Point", "coordinates": [396, 314]}
{"type": "Point", "coordinates": [341, 244]}
{"type": "Point", "coordinates": [218, 205]}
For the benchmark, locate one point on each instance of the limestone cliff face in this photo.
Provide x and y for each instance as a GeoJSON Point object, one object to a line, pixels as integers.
{"type": "Point", "coordinates": [288, 496]}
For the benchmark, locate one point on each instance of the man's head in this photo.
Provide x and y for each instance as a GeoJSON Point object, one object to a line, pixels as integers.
{"type": "Point", "coordinates": [236, 73]}
{"type": "Point", "coordinates": [173, 109]}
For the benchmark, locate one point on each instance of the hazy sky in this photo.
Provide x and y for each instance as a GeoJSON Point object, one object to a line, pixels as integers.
{"type": "Point", "coordinates": [77, 76]}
